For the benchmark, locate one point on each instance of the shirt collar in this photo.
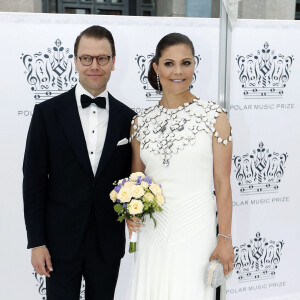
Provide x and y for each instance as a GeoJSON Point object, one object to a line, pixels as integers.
{"type": "Point", "coordinates": [79, 90]}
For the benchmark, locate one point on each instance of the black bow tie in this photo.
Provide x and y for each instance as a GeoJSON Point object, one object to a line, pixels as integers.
{"type": "Point", "coordinates": [86, 101]}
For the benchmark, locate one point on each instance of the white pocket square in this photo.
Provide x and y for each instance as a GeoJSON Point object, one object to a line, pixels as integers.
{"type": "Point", "coordinates": [123, 142]}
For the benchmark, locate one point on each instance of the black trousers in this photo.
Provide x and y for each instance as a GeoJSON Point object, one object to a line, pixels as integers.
{"type": "Point", "coordinates": [100, 275]}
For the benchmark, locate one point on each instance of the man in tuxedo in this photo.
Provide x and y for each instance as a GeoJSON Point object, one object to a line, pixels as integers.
{"type": "Point", "coordinates": [77, 146]}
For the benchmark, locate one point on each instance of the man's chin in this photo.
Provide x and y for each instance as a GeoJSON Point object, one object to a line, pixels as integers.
{"type": "Point", "coordinates": [92, 87]}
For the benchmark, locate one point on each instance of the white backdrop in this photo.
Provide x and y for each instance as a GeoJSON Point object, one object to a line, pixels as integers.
{"type": "Point", "coordinates": [264, 112]}
{"type": "Point", "coordinates": [29, 74]}
{"type": "Point", "coordinates": [264, 115]}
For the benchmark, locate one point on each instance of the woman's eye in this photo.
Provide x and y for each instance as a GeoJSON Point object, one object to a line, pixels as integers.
{"type": "Point", "coordinates": [168, 64]}
{"type": "Point", "coordinates": [186, 63]}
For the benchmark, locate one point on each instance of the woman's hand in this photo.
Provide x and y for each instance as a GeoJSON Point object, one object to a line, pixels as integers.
{"type": "Point", "coordinates": [133, 224]}
{"type": "Point", "coordinates": [224, 253]}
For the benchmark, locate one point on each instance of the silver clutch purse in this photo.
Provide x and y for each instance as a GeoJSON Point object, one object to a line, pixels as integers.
{"type": "Point", "coordinates": [214, 274]}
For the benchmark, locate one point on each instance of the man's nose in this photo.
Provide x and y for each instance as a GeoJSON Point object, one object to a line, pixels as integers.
{"type": "Point", "coordinates": [94, 65]}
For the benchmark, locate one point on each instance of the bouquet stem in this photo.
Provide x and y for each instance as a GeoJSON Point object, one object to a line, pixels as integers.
{"type": "Point", "coordinates": [133, 240]}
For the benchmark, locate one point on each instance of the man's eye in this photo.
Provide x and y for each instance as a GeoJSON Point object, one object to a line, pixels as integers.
{"type": "Point", "coordinates": [102, 58]}
{"type": "Point", "coordinates": [86, 58]}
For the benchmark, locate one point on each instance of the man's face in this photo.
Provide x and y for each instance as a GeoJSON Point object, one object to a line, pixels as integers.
{"type": "Point", "coordinates": [94, 78]}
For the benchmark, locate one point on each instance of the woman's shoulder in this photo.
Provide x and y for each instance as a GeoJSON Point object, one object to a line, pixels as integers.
{"type": "Point", "coordinates": [139, 120]}
{"type": "Point", "coordinates": [147, 111]}
{"type": "Point", "coordinates": [215, 116]}
{"type": "Point", "coordinates": [144, 114]}
{"type": "Point", "coordinates": [210, 105]}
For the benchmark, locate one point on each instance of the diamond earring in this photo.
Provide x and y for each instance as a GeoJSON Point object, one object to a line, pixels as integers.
{"type": "Point", "coordinates": [158, 83]}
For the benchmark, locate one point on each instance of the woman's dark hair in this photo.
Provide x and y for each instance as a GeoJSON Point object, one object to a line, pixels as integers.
{"type": "Point", "coordinates": [97, 32]}
{"type": "Point", "coordinates": [168, 40]}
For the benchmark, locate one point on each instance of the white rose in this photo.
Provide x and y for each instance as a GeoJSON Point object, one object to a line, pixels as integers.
{"type": "Point", "coordinates": [135, 207]}
{"type": "Point", "coordinates": [155, 188]}
{"type": "Point", "coordinates": [128, 184]}
{"type": "Point", "coordinates": [144, 184]}
{"type": "Point", "coordinates": [124, 194]}
{"type": "Point", "coordinates": [113, 195]}
{"type": "Point", "coordinates": [134, 176]}
{"type": "Point", "coordinates": [160, 199]}
{"type": "Point", "coordinates": [137, 191]}
{"type": "Point", "coordinates": [149, 196]}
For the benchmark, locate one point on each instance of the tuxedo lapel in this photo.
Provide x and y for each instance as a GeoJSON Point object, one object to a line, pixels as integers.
{"type": "Point", "coordinates": [112, 134]}
{"type": "Point", "coordinates": [70, 121]}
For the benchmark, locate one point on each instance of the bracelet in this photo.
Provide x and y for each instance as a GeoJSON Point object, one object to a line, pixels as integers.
{"type": "Point", "coordinates": [225, 236]}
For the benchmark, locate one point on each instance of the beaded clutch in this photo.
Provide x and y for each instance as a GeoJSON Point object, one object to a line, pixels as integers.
{"type": "Point", "coordinates": [214, 274]}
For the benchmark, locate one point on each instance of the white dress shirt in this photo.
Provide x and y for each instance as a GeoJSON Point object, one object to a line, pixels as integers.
{"type": "Point", "coordinates": [94, 122]}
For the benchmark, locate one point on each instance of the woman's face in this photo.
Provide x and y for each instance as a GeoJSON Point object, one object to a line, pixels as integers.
{"type": "Point", "coordinates": [175, 68]}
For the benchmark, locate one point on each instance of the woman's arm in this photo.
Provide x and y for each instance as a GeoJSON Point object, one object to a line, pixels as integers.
{"type": "Point", "coordinates": [136, 166]}
{"type": "Point", "coordinates": [221, 169]}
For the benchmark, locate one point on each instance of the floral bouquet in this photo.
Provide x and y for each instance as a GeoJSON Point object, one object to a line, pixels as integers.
{"type": "Point", "coordinates": [137, 196]}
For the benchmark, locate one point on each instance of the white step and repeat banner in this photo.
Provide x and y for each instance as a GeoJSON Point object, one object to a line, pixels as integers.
{"type": "Point", "coordinates": [264, 112]}
{"type": "Point", "coordinates": [36, 60]}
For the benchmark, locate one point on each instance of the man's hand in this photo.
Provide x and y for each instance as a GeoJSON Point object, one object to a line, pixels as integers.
{"type": "Point", "coordinates": [41, 261]}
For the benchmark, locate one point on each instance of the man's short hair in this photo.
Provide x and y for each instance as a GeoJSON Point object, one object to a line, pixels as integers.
{"type": "Point", "coordinates": [97, 32]}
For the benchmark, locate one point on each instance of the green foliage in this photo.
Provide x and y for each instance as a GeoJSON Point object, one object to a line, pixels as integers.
{"type": "Point", "coordinates": [118, 208]}
{"type": "Point", "coordinates": [121, 218]}
{"type": "Point", "coordinates": [154, 220]}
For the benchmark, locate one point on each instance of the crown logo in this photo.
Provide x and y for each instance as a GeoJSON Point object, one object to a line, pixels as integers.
{"type": "Point", "coordinates": [264, 75]}
{"type": "Point", "coordinates": [41, 284]}
{"type": "Point", "coordinates": [257, 260]}
{"type": "Point", "coordinates": [50, 74]}
{"type": "Point", "coordinates": [143, 62]}
{"type": "Point", "coordinates": [260, 172]}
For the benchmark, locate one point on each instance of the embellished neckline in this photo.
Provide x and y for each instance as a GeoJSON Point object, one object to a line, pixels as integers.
{"type": "Point", "coordinates": [180, 107]}
{"type": "Point", "coordinates": [172, 130]}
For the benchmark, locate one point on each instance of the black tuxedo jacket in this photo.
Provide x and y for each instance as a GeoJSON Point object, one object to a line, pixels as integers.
{"type": "Point", "coordinates": [60, 190]}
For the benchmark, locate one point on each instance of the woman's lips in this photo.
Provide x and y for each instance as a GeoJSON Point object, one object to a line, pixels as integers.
{"type": "Point", "coordinates": [177, 80]}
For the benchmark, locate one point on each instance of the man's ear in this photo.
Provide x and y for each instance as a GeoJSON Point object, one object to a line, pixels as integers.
{"type": "Point", "coordinates": [75, 62]}
{"type": "Point", "coordinates": [113, 60]}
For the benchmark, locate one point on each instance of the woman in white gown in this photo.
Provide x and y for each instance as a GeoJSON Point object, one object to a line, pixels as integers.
{"type": "Point", "coordinates": [183, 143]}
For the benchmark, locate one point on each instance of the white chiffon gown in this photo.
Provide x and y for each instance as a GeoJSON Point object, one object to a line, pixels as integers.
{"type": "Point", "coordinates": [176, 148]}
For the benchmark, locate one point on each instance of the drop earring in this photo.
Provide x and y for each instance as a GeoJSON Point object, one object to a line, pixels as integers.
{"type": "Point", "coordinates": [158, 83]}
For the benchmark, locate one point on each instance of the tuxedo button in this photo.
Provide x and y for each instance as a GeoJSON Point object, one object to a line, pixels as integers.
{"type": "Point", "coordinates": [92, 152]}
